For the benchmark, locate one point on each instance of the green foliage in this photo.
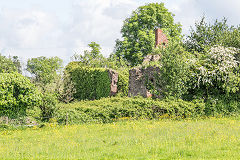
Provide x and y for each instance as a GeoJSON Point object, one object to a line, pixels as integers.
{"type": "Point", "coordinates": [174, 71]}
{"type": "Point", "coordinates": [7, 65]}
{"type": "Point", "coordinates": [116, 62]}
{"type": "Point", "coordinates": [139, 35]}
{"type": "Point", "coordinates": [44, 69]}
{"type": "Point", "coordinates": [90, 83]}
{"type": "Point", "coordinates": [17, 63]}
{"type": "Point", "coordinates": [48, 105]}
{"type": "Point", "coordinates": [110, 109]}
{"type": "Point", "coordinates": [207, 35]}
{"type": "Point", "coordinates": [45, 75]}
{"type": "Point", "coordinates": [222, 104]}
{"type": "Point", "coordinates": [123, 78]}
{"type": "Point", "coordinates": [65, 88]}
{"type": "Point", "coordinates": [215, 79]}
{"type": "Point", "coordinates": [173, 74]}
{"type": "Point", "coordinates": [17, 94]}
{"type": "Point", "coordinates": [216, 72]}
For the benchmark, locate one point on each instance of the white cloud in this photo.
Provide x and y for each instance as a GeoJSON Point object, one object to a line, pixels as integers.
{"type": "Point", "coordinates": [94, 20]}
{"type": "Point", "coordinates": [28, 29]}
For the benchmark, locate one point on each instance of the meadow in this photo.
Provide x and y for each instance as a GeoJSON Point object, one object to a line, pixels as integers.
{"type": "Point", "coordinates": [211, 138]}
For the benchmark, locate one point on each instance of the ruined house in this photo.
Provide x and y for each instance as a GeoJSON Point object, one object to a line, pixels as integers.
{"type": "Point", "coordinates": [142, 80]}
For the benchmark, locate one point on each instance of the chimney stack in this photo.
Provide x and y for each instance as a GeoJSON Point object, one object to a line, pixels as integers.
{"type": "Point", "coordinates": [160, 38]}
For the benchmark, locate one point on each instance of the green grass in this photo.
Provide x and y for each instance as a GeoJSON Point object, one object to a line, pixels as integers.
{"type": "Point", "coordinates": [214, 138]}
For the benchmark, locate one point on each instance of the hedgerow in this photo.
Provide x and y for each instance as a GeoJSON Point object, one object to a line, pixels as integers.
{"type": "Point", "coordinates": [110, 109]}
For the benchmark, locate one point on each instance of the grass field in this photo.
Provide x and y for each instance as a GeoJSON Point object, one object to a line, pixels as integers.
{"type": "Point", "coordinates": [166, 139]}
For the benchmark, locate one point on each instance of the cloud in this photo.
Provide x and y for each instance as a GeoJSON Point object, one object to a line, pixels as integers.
{"type": "Point", "coordinates": [217, 9]}
{"type": "Point", "coordinates": [60, 27]}
{"type": "Point", "coordinates": [99, 21]}
{"type": "Point", "coordinates": [27, 29]}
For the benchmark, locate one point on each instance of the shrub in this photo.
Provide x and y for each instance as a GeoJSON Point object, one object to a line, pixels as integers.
{"type": "Point", "coordinates": [48, 105]}
{"type": "Point", "coordinates": [174, 72]}
{"type": "Point", "coordinates": [215, 79]}
{"type": "Point", "coordinates": [218, 70]}
{"type": "Point", "coordinates": [17, 94]}
{"type": "Point", "coordinates": [108, 110]}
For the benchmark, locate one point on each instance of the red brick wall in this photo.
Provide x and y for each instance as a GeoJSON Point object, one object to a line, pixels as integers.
{"type": "Point", "coordinates": [160, 38]}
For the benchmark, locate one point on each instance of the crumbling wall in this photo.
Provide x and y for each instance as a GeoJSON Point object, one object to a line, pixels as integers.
{"type": "Point", "coordinates": [140, 78]}
{"type": "Point", "coordinates": [113, 76]}
{"type": "Point", "coordinates": [151, 58]}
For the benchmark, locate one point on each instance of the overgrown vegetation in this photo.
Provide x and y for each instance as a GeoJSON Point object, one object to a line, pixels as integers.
{"type": "Point", "coordinates": [112, 109]}
{"type": "Point", "coordinates": [17, 94]}
{"type": "Point", "coordinates": [90, 83]}
{"type": "Point", "coordinates": [67, 112]}
{"type": "Point", "coordinates": [199, 75]}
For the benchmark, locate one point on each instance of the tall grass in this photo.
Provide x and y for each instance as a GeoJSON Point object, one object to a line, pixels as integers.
{"type": "Point", "coordinates": [166, 139]}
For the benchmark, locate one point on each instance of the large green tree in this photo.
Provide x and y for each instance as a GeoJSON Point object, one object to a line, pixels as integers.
{"type": "Point", "coordinates": [138, 31]}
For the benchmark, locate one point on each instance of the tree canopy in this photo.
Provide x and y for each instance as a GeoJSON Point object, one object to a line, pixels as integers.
{"type": "Point", "coordinates": [44, 69]}
{"type": "Point", "coordinates": [7, 65]}
{"type": "Point", "coordinates": [92, 58]}
{"type": "Point", "coordinates": [205, 35]}
{"type": "Point", "coordinates": [138, 31]}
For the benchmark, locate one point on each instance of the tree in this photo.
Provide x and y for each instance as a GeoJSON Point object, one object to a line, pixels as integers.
{"type": "Point", "coordinates": [138, 31]}
{"type": "Point", "coordinates": [206, 35]}
{"type": "Point", "coordinates": [7, 65]}
{"type": "Point", "coordinates": [91, 58]}
{"type": "Point", "coordinates": [44, 69]}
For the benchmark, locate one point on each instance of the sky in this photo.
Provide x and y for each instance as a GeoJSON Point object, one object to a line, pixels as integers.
{"type": "Point", "coordinates": [33, 28]}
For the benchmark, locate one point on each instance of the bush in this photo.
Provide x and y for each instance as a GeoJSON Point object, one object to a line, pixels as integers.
{"type": "Point", "coordinates": [17, 94]}
{"type": "Point", "coordinates": [222, 104]}
{"type": "Point", "coordinates": [173, 76]}
{"type": "Point", "coordinates": [110, 109]}
{"type": "Point", "coordinates": [48, 105]}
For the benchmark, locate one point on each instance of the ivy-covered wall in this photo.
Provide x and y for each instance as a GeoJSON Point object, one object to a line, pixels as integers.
{"type": "Point", "coordinates": [90, 83]}
{"type": "Point", "coordinates": [95, 83]}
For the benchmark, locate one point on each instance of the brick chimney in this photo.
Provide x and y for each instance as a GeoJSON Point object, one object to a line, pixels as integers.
{"type": "Point", "coordinates": [160, 38]}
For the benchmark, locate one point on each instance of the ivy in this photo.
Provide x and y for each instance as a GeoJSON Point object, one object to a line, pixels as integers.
{"type": "Point", "coordinates": [90, 83]}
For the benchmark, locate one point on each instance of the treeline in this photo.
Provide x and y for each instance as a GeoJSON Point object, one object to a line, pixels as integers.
{"type": "Point", "coordinates": [202, 66]}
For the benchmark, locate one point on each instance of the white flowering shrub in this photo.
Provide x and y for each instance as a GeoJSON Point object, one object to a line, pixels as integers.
{"type": "Point", "coordinates": [215, 78]}
{"type": "Point", "coordinates": [219, 68]}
